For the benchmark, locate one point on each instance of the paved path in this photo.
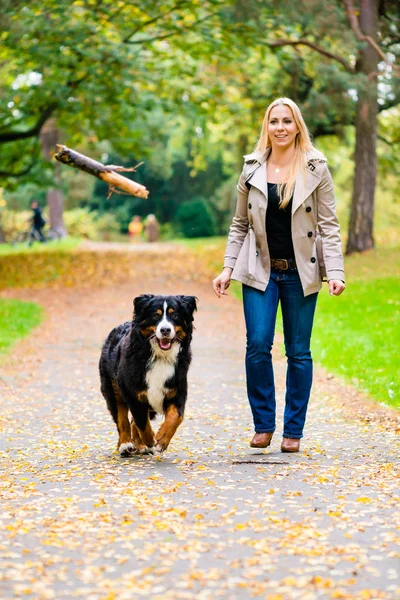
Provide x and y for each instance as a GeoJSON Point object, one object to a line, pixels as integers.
{"type": "Point", "coordinates": [211, 518]}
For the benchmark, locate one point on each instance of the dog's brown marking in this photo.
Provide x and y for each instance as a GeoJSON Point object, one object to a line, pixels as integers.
{"type": "Point", "coordinates": [142, 396]}
{"type": "Point", "coordinates": [142, 438]}
{"type": "Point", "coordinates": [148, 434]}
{"type": "Point", "coordinates": [180, 333]}
{"type": "Point", "coordinates": [170, 393]}
{"type": "Point", "coordinates": [148, 331]}
{"type": "Point", "coordinates": [140, 447]}
{"type": "Point", "coordinates": [170, 311]}
{"type": "Point", "coordinates": [169, 427]}
{"type": "Point", "coordinates": [123, 425]}
{"type": "Point", "coordinates": [116, 390]}
{"type": "Point", "coordinates": [159, 311]}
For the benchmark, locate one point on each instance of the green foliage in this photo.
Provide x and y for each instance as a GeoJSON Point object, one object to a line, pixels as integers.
{"type": "Point", "coordinates": [17, 319]}
{"type": "Point", "coordinates": [105, 72]}
{"type": "Point", "coordinates": [81, 223]}
{"type": "Point", "coordinates": [183, 85]}
{"type": "Point", "coordinates": [107, 226]}
{"type": "Point", "coordinates": [357, 336]}
{"type": "Point", "coordinates": [13, 222]}
{"type": "Point", "coordinates": [195, 218]}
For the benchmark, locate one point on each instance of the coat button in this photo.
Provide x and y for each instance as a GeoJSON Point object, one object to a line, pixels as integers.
{"type": "Point", "coordinates": [309, 234]}
{"type": "Point", "coordinates": [308, 209]}
{"type": "Point", "coordinates": [257, 253]}
{"type": "Point", "coordinates": [249, 205]}
{"type": "Point", "coordinates": [312, 259]}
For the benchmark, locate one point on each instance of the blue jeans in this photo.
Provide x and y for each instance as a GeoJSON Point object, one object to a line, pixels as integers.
{"type": "Point", "coordinates": [260, 315]}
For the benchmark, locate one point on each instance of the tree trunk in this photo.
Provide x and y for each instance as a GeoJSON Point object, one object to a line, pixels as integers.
{"type": "Point", "coordinates": [362, 206]}
{"type": "Point", "coordinates": [49, 137]}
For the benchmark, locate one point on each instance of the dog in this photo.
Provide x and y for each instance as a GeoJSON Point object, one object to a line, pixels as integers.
{"type": "Point", "coordinates": [143, 369]}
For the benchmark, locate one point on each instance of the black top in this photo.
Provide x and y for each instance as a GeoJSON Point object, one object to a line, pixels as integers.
{"type": "Point", "coordinates": [278, 225]}
{"type": "Point", "coordinates": [38, 220]}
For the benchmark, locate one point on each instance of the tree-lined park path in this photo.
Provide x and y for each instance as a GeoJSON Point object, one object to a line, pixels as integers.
{"type": "Point", "coordinates": [211, 518]}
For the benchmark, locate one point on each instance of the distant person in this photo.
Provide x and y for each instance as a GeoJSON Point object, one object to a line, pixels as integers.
{"type": "Point", "coordinates": [38, 223]}
{"type": "Point", "coordinates": [135, 228]}
{"type": "Point", "coordinates": [284, 229]}
{"type": "Point", "coordinates": [152, 229]}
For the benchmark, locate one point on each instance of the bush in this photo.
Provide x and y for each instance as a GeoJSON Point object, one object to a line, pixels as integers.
{"type": "Point", "coordinates": [106, 226]}
{"type": "Point", "coordinates": [14, 223]}
{"type": "Point", "coordinates": [195, 218]}
{"type": "Point", "coordinates": [79, 222]}
{"type": "Point", "coordinates": [169, 231]}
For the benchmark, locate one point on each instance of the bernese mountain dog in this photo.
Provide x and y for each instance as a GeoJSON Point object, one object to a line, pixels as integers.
{"type": "Point", "coordinates": [143, 370]}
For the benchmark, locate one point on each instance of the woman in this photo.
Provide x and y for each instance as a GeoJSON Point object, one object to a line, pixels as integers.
{"type": "Point", "coordinates": [283, 239]}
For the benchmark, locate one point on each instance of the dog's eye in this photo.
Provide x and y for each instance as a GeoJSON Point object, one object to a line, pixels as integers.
{"type": "Point", "coordinates": [174, 317]}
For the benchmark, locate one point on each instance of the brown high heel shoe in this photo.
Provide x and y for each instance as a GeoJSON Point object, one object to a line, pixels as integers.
{"type": "Point", "coordinates": [290, 445]}
{"type": "Point", "coordinates": [261, 440]}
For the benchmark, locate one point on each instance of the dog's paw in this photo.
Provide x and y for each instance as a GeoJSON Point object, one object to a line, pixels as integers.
{"type": "Point", "coordinates": [161, 446]}
{"type": "Point", "coordinates": [146, 450]}
{"type": "Point", "coordinates": [162, 441]}
{"type": "Point", "coordinates": [127, 449]}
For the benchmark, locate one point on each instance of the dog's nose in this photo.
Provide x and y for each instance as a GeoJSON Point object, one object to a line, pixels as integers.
{"type": "Point", "coordinates": [165, 330]}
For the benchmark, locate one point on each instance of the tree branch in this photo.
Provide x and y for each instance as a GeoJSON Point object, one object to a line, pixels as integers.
{"type": "Point", "coordinates": [154, 19]}
{"type": "Point", "coordinates": [353, 20]}
{"type": "Point", "coordinates": [176, 31]}
{"type": "Point", "coordinates": [319, 49]}
{"type": "Point", "coordinates": [114, 14]}
{"type": "Point", "coordinates": [12, 136]}
{"type": "Point", "coordinates": [388, 142]}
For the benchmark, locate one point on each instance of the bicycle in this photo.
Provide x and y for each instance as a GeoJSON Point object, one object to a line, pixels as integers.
{"type": "Point", "coordinates": [34, 235]}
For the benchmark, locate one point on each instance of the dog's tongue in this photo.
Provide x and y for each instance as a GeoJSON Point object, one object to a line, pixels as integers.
{"type": "Point", "coordinates": [165, 344]}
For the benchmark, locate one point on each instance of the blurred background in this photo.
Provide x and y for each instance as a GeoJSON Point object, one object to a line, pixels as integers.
{"type": "Point", "coordinates": [183, 86]}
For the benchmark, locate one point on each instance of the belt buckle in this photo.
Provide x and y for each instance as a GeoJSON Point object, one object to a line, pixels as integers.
{"type": "Point", "coordinates": [283, 262]}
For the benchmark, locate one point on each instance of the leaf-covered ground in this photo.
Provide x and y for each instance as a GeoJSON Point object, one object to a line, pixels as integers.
{"type": "Point", "coordinates": [211, 518]}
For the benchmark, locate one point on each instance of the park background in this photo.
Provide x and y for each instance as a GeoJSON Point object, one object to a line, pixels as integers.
{"type": "Point", "coordinates": [183, 86]}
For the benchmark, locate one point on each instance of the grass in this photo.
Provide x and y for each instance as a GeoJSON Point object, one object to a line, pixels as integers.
{"type": "Point", "coordinates": [356, 335]}
{"type": "Point", "coordinates": [68, 243]}
{"type": "Point", "coordinates": [17, 319]}
{"type": "Point", "coordinates": [202, 243]}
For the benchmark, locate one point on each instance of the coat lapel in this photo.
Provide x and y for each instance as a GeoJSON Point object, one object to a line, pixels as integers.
{"type": "Point", "coordinates": [259, 179]}
{"type": "Point", "coordinates": [304, 188]}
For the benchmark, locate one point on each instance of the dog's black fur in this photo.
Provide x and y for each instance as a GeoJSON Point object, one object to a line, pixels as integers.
{"type": "Point", "coordinates": [143, 368]}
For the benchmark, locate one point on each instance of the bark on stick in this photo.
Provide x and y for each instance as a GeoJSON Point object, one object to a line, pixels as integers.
{"type": "Point", "coordinates": [105, 172]}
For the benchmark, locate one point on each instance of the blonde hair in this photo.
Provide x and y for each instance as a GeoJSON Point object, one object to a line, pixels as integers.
{"type": "Point", "coordinates": [302, 145]}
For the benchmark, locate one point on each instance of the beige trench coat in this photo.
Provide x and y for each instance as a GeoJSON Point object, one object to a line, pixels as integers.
{"type": "Point", "coordinates": [314, 224]}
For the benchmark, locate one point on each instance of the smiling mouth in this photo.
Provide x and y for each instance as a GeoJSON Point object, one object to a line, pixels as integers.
{"type": "Point", "coordinates": [165, 343]}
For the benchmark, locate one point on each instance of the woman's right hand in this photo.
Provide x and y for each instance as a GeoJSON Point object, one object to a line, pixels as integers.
{"type": "Point", "coordinates": [222, 282]}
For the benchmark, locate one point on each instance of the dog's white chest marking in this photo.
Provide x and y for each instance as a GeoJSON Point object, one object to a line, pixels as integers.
{"type": "Point", "coordinates": [161, 368]}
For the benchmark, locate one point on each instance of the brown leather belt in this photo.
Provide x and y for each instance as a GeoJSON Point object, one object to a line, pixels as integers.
{"type": "Point", "coordinates": [283, 264]}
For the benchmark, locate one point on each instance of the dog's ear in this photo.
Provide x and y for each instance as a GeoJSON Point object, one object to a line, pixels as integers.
{"type": "Point", "coordinates": [141, 302]}
{"type": "Point", "coordinates": [189, 302]}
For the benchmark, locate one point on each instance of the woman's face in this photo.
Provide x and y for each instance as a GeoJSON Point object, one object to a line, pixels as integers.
{"type": "Point", "coordinates": [282, 128]}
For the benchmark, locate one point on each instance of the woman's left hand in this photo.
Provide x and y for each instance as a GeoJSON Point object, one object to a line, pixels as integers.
{"type": "Point", "coordinates": [336, 287]}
